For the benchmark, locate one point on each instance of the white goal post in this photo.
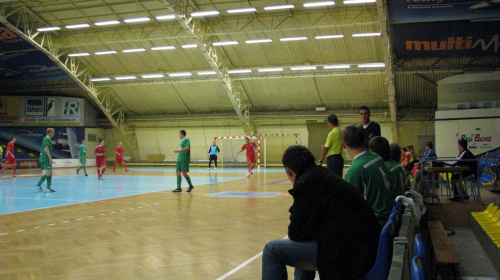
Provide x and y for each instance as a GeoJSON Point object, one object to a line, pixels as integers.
{"type": "Point", "coordinates": [229, 152]}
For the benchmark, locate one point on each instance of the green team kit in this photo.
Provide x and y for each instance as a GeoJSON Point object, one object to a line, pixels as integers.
{"type": "Point", "coordinates": [45, 163]}
{"type": "Point", "coordinates": [183, 158]}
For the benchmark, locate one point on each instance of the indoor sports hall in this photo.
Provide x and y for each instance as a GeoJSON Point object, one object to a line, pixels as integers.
{"type": "Point", "coordinates": [143, 139]}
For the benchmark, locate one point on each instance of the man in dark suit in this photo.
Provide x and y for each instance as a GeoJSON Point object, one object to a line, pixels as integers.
{"type": "Point", "coordinates": [467, 159]}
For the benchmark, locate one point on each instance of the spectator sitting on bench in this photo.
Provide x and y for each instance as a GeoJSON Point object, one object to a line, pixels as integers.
{"type": "Point", "coordinates": [332, 228]}
{"type": "Point", "coordinates": [463, 154]}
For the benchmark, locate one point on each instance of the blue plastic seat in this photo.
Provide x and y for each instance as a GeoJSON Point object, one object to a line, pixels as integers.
{"type": "Point", "coordinates": [417, 269]}
{"type": "Point", "coordinates": [380, 271]}
{"type": "Point", "coordinates": [420, 249]}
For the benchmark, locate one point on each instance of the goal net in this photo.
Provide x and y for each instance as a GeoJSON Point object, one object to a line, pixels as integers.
{"type": "Point", "coordinates": [276, 144]}
{"type": "Point", "coordinates": [231, 145]}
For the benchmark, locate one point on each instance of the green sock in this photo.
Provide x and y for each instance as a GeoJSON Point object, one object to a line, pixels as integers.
{"type": "Point", "coordinates": [41, 180]}
{"type": "Point", "coordinates": [84, 169]}
{"type": "Point", "coordinates": [189, 181]}
{"type": "Point", "coordinates": [79, 168]}
{"type": "Point", "coordinates": [49, 181]}
{"type": "Point", "coordinates": [179, 179]}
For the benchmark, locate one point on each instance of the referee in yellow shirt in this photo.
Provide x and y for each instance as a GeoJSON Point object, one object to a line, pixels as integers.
{"type": "Point", "coordinates": [332, 149]}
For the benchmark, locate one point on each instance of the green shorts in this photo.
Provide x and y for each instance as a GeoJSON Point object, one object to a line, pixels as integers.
{"type": "Point", "coordinates": [182, 166]}
{"type": "Point", "coordinates": [45, 165]}
{"type": "Point", "coordinates": [83, 160]}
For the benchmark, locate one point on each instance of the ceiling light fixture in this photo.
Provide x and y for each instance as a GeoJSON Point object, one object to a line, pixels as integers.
{"type": "Point", "coordinates": [189, 46]}
{"type": "Point", "coordinates": [358, 1]}
{"type": "Point", "coordinates": [204, 13]}
{"type": "Point", "coordinates": [319, 37]}
{"type": "Point", "coordinates": [293, 39]}
{"type": "Point", "coordinates": [277, 69]}
{"type": "Point", "coordinates": [258, 41]}
{"type": "Point", "coordinates": [80, 25]}
{"type": "Point", "coordinates": [182, 74]}
{"type": "Point", "coordinates": [337, 66]}
{"type": "Point", "coordinates": [125, 77]}
{"type": "Point", "coordinates": [371, 65]}
{"type": "Point", "coordinates": [152, 76]}
{"type": "Point", "coordinates": [50, 28]}
{"type": "Point", "coordinates": [366, 34]}
{"type": "Point", "coordinates": [239, 71]}
{"type": "Point", "coordinates": [298, 68]}
{"type": "Point", "coordinates": [319, 4]}
{"type": "Point", "coordinates": [79, 54]}
{"type": "Point", "coordinates": [163, 48]}
{"type": "Point", "coordinates": [140, 19]}
{"type": "Point", "coordinates": [109, 22]}
{"type": "Point", "coordinates": [100, 79]}
{"type": "Point", "coordinates": [203, 73]}
{"type": "Point", "coordinates": [225, 43]}
{"type": "Point", "coordinates": [242, 10]}
{"type": "Point", "coordinates": [279, 7]}
{"type": "Point", "coordinates": [164, 17]}
{"type": "Point", "coordinates": [105, 52]}
{"type": "Point", "coordinates": [134, 50]}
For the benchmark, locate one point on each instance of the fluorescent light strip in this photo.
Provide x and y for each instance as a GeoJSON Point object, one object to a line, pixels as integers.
{"type": "Point", "coordinates": [298, 68]}
{"type": "Point", "coordinates": [125, 77]}
{"type": "Point", "coordinates": [78, 54]}
{"type": "Point", "coordinates": [242, 10]}
{"type": "Point", "coordinates": [226, 43]}
{"type": "Point", "coordinates": [239, 71]}
{"type": "Point", "coordinates": [366, 34]}
{"type": "Point", "coordinates": [105, 52]}
{"type": "Point", "coordinates": [189, 46]}
{"type": "Point", "coordinates": [279, 7]}
{"type": "Point", "coordinates": [204, 13]}
{"type": "Point", "coordinates": [109, 22]}
{"type": "Point", "coordinates": [203, 73]}
{"type": "Point", "coordinates": [338, 66]}
{"type": "Point", "coordinates": [152, 76]}
{"type": "Point", "coordinates": [140, 19]}
{"type": "Point", "coordinates": [133, 50]}
{"type": "Point", "coordinates": [371, 65]}
{"type": "Point", "coordinates": [277, 69]}
{"type": "Point", "coordinates": [80, 25]}
{"type": "Point", "coordinates": [162, 48]}
{"type": "Point", "coordinates": [164, 17]}
{"type": "Point", "coordinates": [100, 79]}
{"type": "Point", "coordinates": [319, 37]}
{"type": "Point", "coordinates": [182, 74]}
{"type": "Point", "coordinates": [50, 28]}
{"type": "Point", "coordinates": [258, 41]}
{"type": "Point", "coordinates": [319, 4]}
{"type": "Point", "coordinates": [293, 39]}
{"type": "Point", "coordinates": [358, 1]}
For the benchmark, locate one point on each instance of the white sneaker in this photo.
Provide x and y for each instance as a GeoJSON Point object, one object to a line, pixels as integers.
{"type": "Point", "coordinates": [248, 174]}
{"type": "Point", "coordinates": [215, 167]}
{"type": "Point", "coordinates": [208, 168]}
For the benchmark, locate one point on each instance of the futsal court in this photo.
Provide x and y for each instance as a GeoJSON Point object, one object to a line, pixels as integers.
{"type": "Point", "coordinates": [131, 225]}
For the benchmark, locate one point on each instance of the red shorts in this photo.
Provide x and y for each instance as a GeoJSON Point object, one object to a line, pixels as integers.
{"type": "Point", "coordinates": [100, 162]}
{"type": "Point", "coordinates": [119, 160]}
{"type": "Point", "coordinates": [251, 159]}
{"type": "Point", "coordinates": [10, 160]}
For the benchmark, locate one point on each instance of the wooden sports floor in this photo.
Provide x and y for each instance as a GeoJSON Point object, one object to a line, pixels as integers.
{"type": "Point", "coordinates": [131, 226]}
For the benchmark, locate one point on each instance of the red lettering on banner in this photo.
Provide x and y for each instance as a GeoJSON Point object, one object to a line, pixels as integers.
{"type": "Point", "coordinates": [478, 138]}
{"type": "Point", "coordinates": [6, 34]}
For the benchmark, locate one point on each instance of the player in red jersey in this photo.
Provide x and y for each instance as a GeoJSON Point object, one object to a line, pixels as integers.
{"type": "Point", "coordinates": [119, 157]}
{"type": "Point", "coordinates": [10, 158]}
{"type": "Point", "coordinates": [249, 147]}
{"type": "Point", "coordinates": [100, 158]}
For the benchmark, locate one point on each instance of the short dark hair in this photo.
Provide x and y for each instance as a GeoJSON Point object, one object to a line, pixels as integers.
{"type": "Point", "coordinates": [430, 145]}
{"type": "Point", "coordinates": [395, 152]}
{"type": "Point", "coordinates": [364, 108]}
{"type": "Point", "coordinates": [12, 138]}
{"type": "Point", "coordinates": [183, 132]}
{"type": "Point", "coordinates": [353, 136]}
{"type": "Point", "coordinates": [404, 149]}
{"type": "Point", "coordinates": [333, 119]}
{"type": "Point", "coordinates": [100, 140]}
{"type": "Point", "coordinates": [411, 147]}
{"type": "Point", "coordinates": [463, 143]}
{"type": "Point", "coordinates": [380, 145]}
{"type": "Point", "coordinates": [297, 158]}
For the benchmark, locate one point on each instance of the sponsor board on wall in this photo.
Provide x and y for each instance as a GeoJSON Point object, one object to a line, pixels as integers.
{"type": "Point", "coordinates": [478, 140]}
{"type": "Point", "coordinates": [46, 111]}
{"type": "Point", "coordinates": [9, 110]}
{"type": "Point", "coordinates": [62, 163]}
{"type": "Point", "coordinates": [446, 39]}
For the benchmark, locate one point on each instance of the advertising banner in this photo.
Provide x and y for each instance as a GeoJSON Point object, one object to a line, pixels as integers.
{"type": "Point", "coordinates": [478, 140]}
{"type": "Point", "coordinates": [439, 10]}
{"type": "Point", "coordinates": [51, 111]}
{"type": "Point", "coordinates": [446, 39]}
{"type": "Point", "coordinates": [9, 110]}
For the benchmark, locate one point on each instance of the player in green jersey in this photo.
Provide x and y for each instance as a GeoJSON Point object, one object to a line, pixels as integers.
{"type": "Point", "coordinates": [46, 161]}
{"type": "Point", "coordinates": [82, 155]}
{"type": "Point", "coordinates": [183, 159]}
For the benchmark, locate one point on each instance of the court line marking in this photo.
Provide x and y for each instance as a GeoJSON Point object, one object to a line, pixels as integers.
{"type": "Point", "coordinates": [243, 264]}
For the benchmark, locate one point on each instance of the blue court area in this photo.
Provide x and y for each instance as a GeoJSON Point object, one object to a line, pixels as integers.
{"type": "Point", "coordinates": [20, 194]}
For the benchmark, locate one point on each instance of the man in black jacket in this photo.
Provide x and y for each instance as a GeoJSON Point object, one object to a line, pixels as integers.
{"type": "Point", "coordinates": [467, 159]}
{"type": "Point", "coordinates": [332, 228]}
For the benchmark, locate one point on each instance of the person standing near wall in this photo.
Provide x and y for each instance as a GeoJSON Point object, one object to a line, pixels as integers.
{"type": "Point", "coordinates": [183, 159]}
{"type": "Point", "coordinates": [370, 128]}
{"type": "Point", "coordinates": [82, 155]}
{"type": "Point", "coordinates": [332, 149]}
{"type": "Point", "coordinates": [10, 157]}
{"type": "Point", "coordinates": [212, 153]}
{"type": "Point", "coordinates": [46, 161]}
{"type": "Point", "coordinates": [100, 159]}
{"type": "Point", "coordinates": [119, 157]}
